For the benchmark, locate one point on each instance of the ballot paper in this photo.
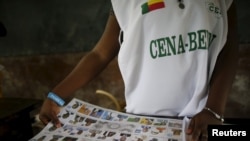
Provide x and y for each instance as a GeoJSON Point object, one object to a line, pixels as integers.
{"type": "Point", "coordinates": [83, 121]}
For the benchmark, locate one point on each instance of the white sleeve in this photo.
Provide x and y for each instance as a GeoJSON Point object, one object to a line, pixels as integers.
{"type": "Point", "coordinates": [228, 3]}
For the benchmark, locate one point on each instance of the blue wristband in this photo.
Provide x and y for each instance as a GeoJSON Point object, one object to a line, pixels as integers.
{"type": "Point", "coordinates": [56, 98]}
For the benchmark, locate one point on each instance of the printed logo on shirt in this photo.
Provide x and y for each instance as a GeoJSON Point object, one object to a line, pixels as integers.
{"type": "Point", "coordinates": [175, 45]}
{"type": "Point", "coordinates": [213, 8]}
{"type": "Point", "coordinates": [152, 5]}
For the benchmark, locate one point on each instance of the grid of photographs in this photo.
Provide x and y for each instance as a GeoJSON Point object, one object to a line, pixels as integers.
{"type": "Point", "coordinates": [82, 121]}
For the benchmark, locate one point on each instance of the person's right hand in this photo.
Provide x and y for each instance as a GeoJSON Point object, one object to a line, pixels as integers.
{"type": "Point", "coordinates": [49, 112]}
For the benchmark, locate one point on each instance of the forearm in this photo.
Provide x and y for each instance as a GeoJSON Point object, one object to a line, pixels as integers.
{"type": "Point", "coordinates": [221, 82]}
{"type": "Point", "coordinates": [94, 62]}
{"type": "Point", "coordinates": [87, 69]}
{"type": "Point", "coordinates": [225, 68]}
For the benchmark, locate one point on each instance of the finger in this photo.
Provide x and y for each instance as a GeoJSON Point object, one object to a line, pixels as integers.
{"type": "Point", "coordinates": [195, 135]}
{"type": "Point", "coordinates": [204, 135]}
{"type": "Point", "coordinates": [55, 119]}
{"type": "Point", "coordinates": [188, 137]}
{"type": "Point", "coordinates": [44, 120]}
{"type": "Point", "coordinates": [196, 132]}
{"type": "Point", "coordinates": [190, 127]}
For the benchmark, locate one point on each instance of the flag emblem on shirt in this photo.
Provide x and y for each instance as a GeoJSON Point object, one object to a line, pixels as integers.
{"type": "Point", "coordinates": [152, 5]}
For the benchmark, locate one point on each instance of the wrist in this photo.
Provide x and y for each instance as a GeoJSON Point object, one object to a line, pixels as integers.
{"type": "Point", "coordinates": [55, 98]}
{"type": "Point", "coordinates": [216, 115]}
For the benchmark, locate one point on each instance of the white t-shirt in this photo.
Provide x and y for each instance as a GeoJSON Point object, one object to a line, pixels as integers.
{"type": "Point", "coordinates": [168, 54]}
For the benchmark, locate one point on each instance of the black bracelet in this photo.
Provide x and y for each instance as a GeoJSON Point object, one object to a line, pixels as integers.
{"type": "Point", "coordinates": [217, 116]}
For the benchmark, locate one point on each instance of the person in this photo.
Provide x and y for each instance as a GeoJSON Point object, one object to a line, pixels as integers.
{"type": "Point", "coordinates": [177, 59]}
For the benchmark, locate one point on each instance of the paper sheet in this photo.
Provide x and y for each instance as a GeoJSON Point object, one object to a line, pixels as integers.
{"type": "Point", "coordinates": [82, 121]}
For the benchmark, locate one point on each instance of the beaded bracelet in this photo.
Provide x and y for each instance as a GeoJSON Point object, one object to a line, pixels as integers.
{"type": "Point", "coordinates": [215, 114]}
{"type": "Point", "coordinates": [56, 98]}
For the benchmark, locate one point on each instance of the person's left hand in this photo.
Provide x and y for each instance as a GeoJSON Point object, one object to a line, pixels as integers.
{"type": "Point", "coordinates": [197, 129]}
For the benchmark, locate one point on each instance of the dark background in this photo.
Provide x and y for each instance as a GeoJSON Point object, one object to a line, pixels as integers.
{"type": "Point", "coordinates": [51, 26]}
{"type": "Point", "coordinates": [67, 26]}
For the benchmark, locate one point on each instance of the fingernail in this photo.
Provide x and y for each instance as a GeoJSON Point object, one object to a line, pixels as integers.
{"type": "Point", "coordinates": [58, 125]}
{"type": "Point", "coordinates": [189, 130]}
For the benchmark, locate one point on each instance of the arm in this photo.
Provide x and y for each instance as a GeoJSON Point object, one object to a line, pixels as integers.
{"type": "Point", "coordinates": [94, 62]}
{"type": "Point", "coordinates": [89, 67]}
{"type": "Point", "coordinates": [220, 83]}
{"type": "Point", "coordinates": [225, 68]}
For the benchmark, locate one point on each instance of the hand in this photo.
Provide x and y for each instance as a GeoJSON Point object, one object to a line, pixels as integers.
{"type": "Point", "coordinates": [49, 112]}
{"type": "Point", "coordinates": [197, 129]}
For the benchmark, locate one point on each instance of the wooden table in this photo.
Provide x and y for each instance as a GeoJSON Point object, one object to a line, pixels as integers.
{"type": "Point", "coordinates": [16, 119]}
